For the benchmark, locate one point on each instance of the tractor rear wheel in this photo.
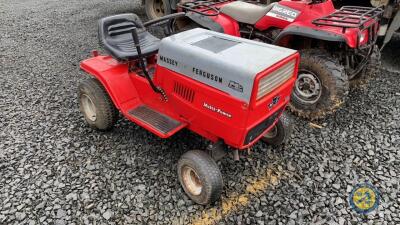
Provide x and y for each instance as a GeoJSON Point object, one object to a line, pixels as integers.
{"type": "Point", "coordinates": [95, 104]}
{"type": "Point", "coordinates": [200, 177]}
{"type": "Point", "coordinates": [321, 86]}
{"type": "Point", "coordinates": [157, 8]}
{"type": "Point", "coordinates": [281, 132]}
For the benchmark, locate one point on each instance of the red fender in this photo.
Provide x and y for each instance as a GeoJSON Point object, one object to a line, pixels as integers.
{"type": "Point", "coordinates": [114, 78]}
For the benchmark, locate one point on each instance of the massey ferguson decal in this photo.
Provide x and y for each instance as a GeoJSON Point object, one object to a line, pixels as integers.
{"type": "Point", "coordinates": [283, 13]}
{"type": "Point", "coordinates": [170, 61]}
{"type": "Point", "coordinates": [217, 110]}
{"type": "Point", "coordinates": [207, 75]}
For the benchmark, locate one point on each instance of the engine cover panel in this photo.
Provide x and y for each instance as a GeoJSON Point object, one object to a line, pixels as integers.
{"type": "Point", "coordinates": [225, 62]}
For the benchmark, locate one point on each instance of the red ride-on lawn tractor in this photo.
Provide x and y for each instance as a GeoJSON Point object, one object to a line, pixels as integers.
{"type": "Point", "coordinates": [335, 45]}
{"type": "Point", "coordinates": [229, 90]}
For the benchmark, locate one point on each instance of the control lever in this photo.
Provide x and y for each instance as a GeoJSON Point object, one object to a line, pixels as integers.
{"type": "Point", "coordinates": [143, 66]}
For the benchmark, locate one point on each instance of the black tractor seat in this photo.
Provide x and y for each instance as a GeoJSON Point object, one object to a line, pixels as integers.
{"type": "Point", "coordinates": [115, 34]}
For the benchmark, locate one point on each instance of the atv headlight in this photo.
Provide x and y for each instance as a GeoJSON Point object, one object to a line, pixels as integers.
{"type": "Point", "coordinates": [275, 79]}
{"type": "Point", "coordinates": [363, 37]}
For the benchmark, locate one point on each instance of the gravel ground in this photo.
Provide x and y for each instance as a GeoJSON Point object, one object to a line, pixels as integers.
{"type": "Point", "coordinates": [55, 170]}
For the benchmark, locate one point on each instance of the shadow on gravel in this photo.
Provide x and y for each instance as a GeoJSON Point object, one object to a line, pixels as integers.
{"type": "Point", "coordinates": [391, 55]}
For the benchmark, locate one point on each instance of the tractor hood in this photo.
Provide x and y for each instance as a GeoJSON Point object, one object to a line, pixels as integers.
{"type": "Point", "coordinates": [227, 63]}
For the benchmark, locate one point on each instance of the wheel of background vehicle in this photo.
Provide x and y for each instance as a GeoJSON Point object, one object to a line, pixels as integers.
{"type": "Point", "coordinates": [200, 177]}
{"type": "Point", "coordinates": [280, 133]}
{"type": "Point", "coordinates": [95, 104]}
{"type": "Point", "coordinates": [157, 8]}
{"type": "Point", "coordinates": [373, 67]}
{"type": "Point", "coordinates": [179, 25]}
{"type": "Point", "coordinates": [321, 86]}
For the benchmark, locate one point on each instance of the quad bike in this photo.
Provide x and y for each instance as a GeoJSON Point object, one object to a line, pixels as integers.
{"type": "Point", "coordinates": [335, 45]}
{"type": "Point", "coordinates": [199, 80]}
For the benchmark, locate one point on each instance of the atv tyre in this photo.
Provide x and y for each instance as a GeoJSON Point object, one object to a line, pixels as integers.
{"type": "Point", "coordinates": [281, 132]}
{"type": "Point", "coordinates": [322, 85]}
{"type": "Point", "coordinates": [200, 177]}
{"type": "Point", "coordinates": [96, 106]}
{"type": "Point", "coordinates": [157, 8]}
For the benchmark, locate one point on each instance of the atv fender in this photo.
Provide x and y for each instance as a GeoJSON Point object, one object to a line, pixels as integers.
{"type": "Point", "coordinates": [114, 77]}
{"type": "Point", "coordinates": [308, 33]}
{"type": "Point", "coordinates": [220, 23]}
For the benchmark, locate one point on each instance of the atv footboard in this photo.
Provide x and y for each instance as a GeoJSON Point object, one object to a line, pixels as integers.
{"type": "Point", "coordinates": [364, 19]}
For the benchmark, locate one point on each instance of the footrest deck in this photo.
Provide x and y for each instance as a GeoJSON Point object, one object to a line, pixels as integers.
{"type": "Point", "coordinates": [158, 121]}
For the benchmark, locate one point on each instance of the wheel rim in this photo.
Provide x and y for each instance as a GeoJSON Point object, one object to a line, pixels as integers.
{"type": "Point", "coordinates": [272, 133]}
{"type": "Point", "coordinates": [158, 8]}
{"type": "Point", "coordinates": [88, 107]}
{"type": "Point", "coordinates": [308, 87]}
{"type": "Point", "coordinates": [191, 181]}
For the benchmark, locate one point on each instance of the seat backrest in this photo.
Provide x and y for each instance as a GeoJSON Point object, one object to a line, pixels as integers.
{"type": "Point", "coordinates": [113, 26]}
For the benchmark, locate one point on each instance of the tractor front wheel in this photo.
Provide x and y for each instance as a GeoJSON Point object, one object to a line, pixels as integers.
{"type": "Point", "coordinates": [200, 177]}
{"type": "Point", "coordinates": [321, 86]}
{"type": "Point", "coordinates": [95, 104]}
{"type": "Point", "coordinates": [281, 132]}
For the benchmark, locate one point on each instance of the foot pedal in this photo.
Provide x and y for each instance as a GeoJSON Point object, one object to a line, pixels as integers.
{"type": "Point", "coordinates": [162, 123]}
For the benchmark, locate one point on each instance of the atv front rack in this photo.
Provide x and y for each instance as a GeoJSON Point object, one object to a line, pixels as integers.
{"type": "Point", "coordinates": [350, 17]}
{"type": "Point", "coordinates": [358, 17]}
{"type": "Point", "coordinates": [205, 8]}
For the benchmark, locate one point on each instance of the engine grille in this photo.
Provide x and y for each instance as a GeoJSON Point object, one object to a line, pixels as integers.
{"type": "Point", "coordinates": [184, 92]}
{"type": "Point", "coordinates": [275, 79]}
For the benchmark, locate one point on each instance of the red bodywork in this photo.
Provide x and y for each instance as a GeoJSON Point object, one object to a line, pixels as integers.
{"type": "Point", "coordinates": [308, 13]}
{"type": "Point", "coordinates": [186, 98]}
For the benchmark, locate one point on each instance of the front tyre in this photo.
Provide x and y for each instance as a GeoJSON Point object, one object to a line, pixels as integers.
{"type": "Point", "coordinates": [200, 177]}
{"type": "Point", "coordinates": [96, 106]}
{"type": "Point", "coordinates": [321, 87]}
{"type": "Point", "coordinates": [281, 132]}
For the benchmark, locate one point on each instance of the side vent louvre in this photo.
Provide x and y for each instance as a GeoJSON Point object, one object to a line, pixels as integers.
{"type": "Point", "coordinates": [184, 92]}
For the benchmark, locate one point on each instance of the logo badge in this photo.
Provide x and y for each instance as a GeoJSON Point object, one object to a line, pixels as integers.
{"type": "Point", "coordinates": [275, 101]}
{"type": "Point", "coordinates": [217, 110]}
{"type": "Point", "coordinates": [364, 198]}
{"type": "Point", "coordinates": [283, 13]}
{"type": "Point", "coordinates": [235, 86]}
